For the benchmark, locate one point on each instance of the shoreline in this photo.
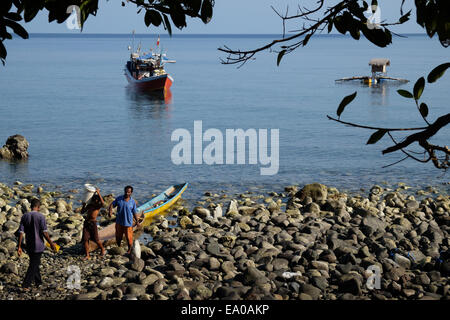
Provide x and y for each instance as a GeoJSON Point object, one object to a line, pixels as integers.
{"type": "Point", "coordinates": [303, 243]}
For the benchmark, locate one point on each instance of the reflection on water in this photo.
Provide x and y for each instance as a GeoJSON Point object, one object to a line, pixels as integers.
{"type": "Point", "coordinates": [16, 168]}
{"type": "Point", "coordinates": [149, 104]}
{"type": "Point", "coordinates": [146, 238]}
{"type": "Point", "coordinates": [379, 93]}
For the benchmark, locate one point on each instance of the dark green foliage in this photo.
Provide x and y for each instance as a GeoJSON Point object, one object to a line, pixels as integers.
{"type": "Point", "coordinates": [345, 102]}
{"type": "Point", "coordinates": [418, 88]}
{"type": "Point", "coordinates": [376, 136]}
{"type": "Point", "coordinates": [12, 12]}
{"type": "Point", "coordinates": [280, 56]}
{"type": "Point", "coordinates": [437, 72]}
{"type": "Point", "coordinates": [423, 109]}
{"type": "Point", "coordinates": [434, 17]}
{"type": "Point", "coordinates": [405, 93]}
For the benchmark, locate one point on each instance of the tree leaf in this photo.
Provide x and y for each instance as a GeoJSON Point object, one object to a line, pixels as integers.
{"type": "Point", "coordinates": [405, 93]}
{"type": "Point", "coordinates": [13, 16]}
{"type": "Point", "coordinates": [437, 72]}
{"type": "Point", "coordinates": [147, 18]}
{"type": "Point", "coordinates": [423, 109]}
{"type": "Point", "coordinates": [2, 51]}
{"type": "Point", "coordinates": [178, 18]}
{"type": "Point", "coordinates": [167, 24]}
{"type": "Point", "coordinates": [152, 17]}
{"type": "Point", "coordinates": [206, 11]}
{"type": "Point", "coordinates": [376, 136]}
{"type": "Point", "coordinates": [31, 10]}
{"type": "Point", "coordinates": [345, 102]}
{"type": "Point", "coordinates": [418, 88]}
{"type": "Point", "coordinates": [405, 17]}
{"type": "Point", "coordinates": [18, 29]}
{"type": "Point", "coordinates": [280, 56]}
{"type": "Point", "coordinates": [330, 25]}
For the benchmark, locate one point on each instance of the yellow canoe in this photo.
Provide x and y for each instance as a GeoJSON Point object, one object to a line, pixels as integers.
{"type": "Point", "coordinates": [155, 206]}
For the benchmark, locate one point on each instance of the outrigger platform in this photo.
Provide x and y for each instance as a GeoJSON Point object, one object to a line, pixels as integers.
{"type": "Point", "coordinates": [379, 73]}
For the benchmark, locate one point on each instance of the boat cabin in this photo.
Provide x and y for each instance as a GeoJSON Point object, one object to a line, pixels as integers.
{"type": "Point", "coordinates": [379, 65]}
{"type": "Point", "coordinates": [144, 66]}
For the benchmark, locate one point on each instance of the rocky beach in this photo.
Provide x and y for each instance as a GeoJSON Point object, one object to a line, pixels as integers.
{"type": "Point", "coordinates": [308, 242]}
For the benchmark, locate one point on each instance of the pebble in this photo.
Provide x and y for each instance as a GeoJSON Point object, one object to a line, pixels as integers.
{"type": "Point", "coordinates": [312, 244]}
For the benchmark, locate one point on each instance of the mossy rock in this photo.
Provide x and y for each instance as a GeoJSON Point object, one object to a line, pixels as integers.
{"type": "Point", "coordinates": [317, 191]}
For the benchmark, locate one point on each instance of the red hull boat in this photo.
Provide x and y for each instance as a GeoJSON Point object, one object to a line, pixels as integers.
{"type": "Point", "coordinates": [146, 71]}
{"type": "Point", "coordinates": [162, 82]}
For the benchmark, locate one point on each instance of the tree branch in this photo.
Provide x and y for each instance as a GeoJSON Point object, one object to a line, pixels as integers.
{"type": "Point", "coordinates": [421, 136]}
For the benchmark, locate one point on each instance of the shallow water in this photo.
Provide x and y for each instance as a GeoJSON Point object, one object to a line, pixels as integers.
{"type": "Point", "coordinates": [68, 96]}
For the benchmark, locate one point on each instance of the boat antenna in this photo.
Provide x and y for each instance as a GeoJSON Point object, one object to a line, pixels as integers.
{"type": "Point", "coordinates": [133, 39]}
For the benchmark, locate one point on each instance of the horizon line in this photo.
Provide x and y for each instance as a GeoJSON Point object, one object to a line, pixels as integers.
{"type": "Point", "coordinates": [192, 34]}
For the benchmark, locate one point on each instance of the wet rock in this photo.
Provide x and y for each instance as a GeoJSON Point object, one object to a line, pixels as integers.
{"type": "Point", "coordinates": [137, 264]}
{"type": "Point", "coordinates": [214, 264]}
{"type": "Point", "coordinates": [88, 296]}
{"type": "Point", "coordinates": [105, 272]}
{"type": "Point", "coordinates": [253, 276]}
{"type": "Point", "coordinates": [116, 251]}
{"type": "Point", "coordinates": [149, 280]}
{"type": "Point", "coordinates": [185, 221]}
{"type": "Point", "coordinates": [246, 210]}
{"type": "Point", "coordinates": [9, 245]}
{"type": "Point", "coordinates": [232, 208]}
{"type": "Point", "coordinates": [350, 283]}
{"type": "Point", "coordinates": [201, 212]}
{"type": "Point", "coordinates": [402, 261]}
{"type": "Point", "coordinates": [317, 192]}
{"type": "Point", "coordinates": [217, 213]}
{"type": "Point", "coordinates": [280, 264]}
{"type": "Point", "coordinates": [10, 226]}
{"type": "Point", "coordinates": [372, 224]}
{"type": "Point", "coordinates": [135, 289]}
{"type": "Point", "coordinates": [320, 282]}
{"type": "Point", "coordinates": [203, 292]}
{"type": "Point", "coordinates": [106, 283]}
{"type": "Point", "coordinates": [15, 148]}
{"type": "Point", "coordinates": [9, 268]}
{"type": "Point", "coordinates": [310, 290]}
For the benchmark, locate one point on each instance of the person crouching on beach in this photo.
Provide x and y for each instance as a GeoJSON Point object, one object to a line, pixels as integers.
{"type": "Point", "coordinates": [34, 226]}
{"type": "Point", "coordinates": [126, 212]}
{"type": "Point", "coordinates": [90, 230]}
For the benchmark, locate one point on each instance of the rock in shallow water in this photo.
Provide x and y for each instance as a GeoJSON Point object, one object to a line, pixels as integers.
{"type": "Point", "coordinates": [15, 148]}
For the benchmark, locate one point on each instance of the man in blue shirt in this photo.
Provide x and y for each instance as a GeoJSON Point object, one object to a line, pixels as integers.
{"type": "Point", "coordinates": [126, 212]}
{"type": "Point", "coordinates": [34, 226]}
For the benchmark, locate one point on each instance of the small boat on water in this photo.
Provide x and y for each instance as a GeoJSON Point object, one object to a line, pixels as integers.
{"type": "Point", "coordinates": [155, 206]}
{"type": "Point", "coordinates": [379, 73]}
{"type": "Point", "coordinates": [146, 71]}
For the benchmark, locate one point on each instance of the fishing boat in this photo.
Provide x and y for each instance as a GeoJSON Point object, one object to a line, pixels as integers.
{"type": "Point", "coordinates": [379, 73]}
{"type": "Point", "coordinates": [145, 71]}
{"type": "Point", "coordinates": [155, 206]}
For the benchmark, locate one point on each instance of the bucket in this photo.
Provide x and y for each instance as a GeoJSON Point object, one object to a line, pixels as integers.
{"type": "Point", "coordinates": [89, 192]}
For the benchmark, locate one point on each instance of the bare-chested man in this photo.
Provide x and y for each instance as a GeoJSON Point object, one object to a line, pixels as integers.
{"type": "Point", "coordinates": [90, 231]}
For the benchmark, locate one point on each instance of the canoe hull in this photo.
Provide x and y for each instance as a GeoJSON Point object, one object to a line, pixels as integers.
{"type": "Point", "coordinates": [170, 196]}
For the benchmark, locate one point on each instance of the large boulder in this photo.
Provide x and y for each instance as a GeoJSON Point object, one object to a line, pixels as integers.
{"type": "Point", "coordinates": [317, 192]}
{"type": "Point", "coordinates": [15, 148]}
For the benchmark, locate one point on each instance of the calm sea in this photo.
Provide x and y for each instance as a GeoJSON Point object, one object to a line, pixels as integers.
{"type": "Point", "coordinates": [68, 96]}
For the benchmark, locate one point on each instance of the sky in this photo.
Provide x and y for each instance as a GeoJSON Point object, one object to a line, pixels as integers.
{"type": "Point", "coordinates": [230, 17]}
